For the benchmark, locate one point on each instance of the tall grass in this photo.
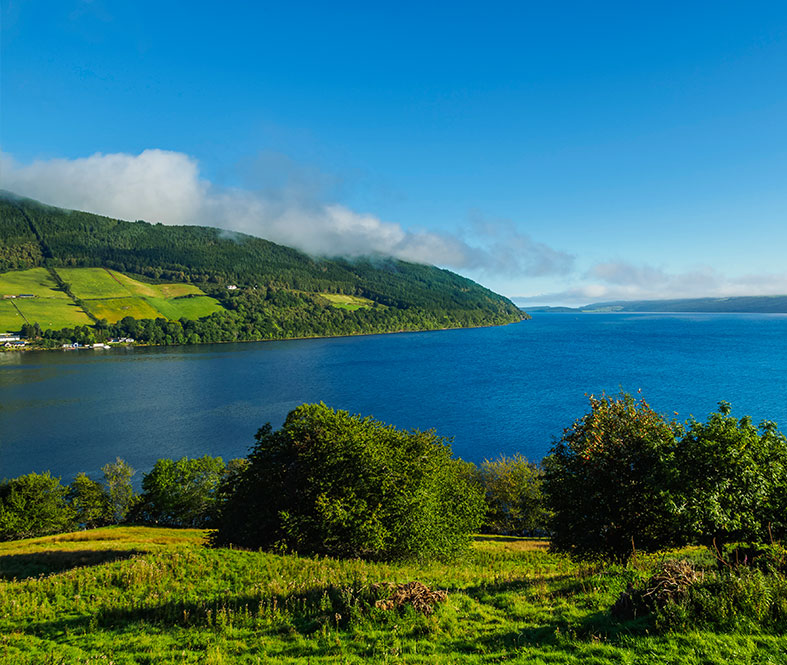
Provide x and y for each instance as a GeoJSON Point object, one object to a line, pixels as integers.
{"type": "Point", "coordinates": [145, 595]}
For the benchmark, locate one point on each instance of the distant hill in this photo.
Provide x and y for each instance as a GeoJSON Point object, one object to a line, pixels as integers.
{"type": "Point", "coordinates": [738, 304]}
{"type": "Point", "coordinates": [278, 291]}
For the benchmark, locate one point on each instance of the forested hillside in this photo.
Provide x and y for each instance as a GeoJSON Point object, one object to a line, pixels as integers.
{"type": "Point", "coordinates": [279, 289]}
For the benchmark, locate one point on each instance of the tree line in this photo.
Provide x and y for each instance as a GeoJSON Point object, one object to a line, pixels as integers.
{"type": "Point", "coordinates": [621, 479]}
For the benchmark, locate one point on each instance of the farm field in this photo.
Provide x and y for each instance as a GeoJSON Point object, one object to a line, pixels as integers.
{"type": "Point", "coordinates": [53, 313]}
{"type": "Point", "coordinates": [88, 283]}
{"type": "Point", "coordinates": [105, 294]}
{"type": "Point", "coordinates": [343, 301]}
{"type": "Point", "coordinates": [10, 319]}
{"type": "Point", "coordinates": [190, 308]}
{"type": "Point", "coordinates": [36, 281]}
{"type": "Point", "coordinates": [149, 595]}
{"type": "Point", "coordinates": [114, 309]}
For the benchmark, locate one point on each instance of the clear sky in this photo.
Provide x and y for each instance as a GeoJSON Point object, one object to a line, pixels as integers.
{"type": "Point", "coordinates": [562, 152]}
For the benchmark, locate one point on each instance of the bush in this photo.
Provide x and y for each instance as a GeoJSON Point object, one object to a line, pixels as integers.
{"type": "Point", "coordinates": [607, 481]}
{"type": "Point", "coordinates": [33, 505]}
{"type": "Point", "coordinates": [514, 500]}
{"type": "Point", "coordinates": [731, 480]}
{"type": "Point", "coordinates": [182, 493]}
{"type": "Point", "coordinates": [331, 483]}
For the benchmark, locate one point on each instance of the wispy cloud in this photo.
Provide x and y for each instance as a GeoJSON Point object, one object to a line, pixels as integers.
{"type": "Point", "coordinates": [165, 186]}
{"type": "Point", "coordinates": [620, 280]}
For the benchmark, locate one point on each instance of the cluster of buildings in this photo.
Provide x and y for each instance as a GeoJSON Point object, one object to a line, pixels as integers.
{"type": "Point", "coordinates": [12, 341]}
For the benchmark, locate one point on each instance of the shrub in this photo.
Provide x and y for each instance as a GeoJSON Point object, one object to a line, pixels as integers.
{"type": "Point", "coordinates": [181, 493]}
{"type": "Point", "coordinates": [331, 483]}
{"type": "Point", "coordinates": [607, 481]}
{"type": "Point", "coordinates": [514, 500]}
{"type": "Point", "coordinates": [731, 480]}
{"type": "Point", "coordinates": [33, 505]}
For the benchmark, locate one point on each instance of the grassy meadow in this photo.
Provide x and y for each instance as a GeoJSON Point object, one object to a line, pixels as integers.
{"type": "Point", "coordinates": [105, 294]}
{"type": "Point", "coordinates": [10, 318]}
{"type": "Point", "coordinates": [154, 595]}
{"type": "Point", "coordinates": [346, 302]}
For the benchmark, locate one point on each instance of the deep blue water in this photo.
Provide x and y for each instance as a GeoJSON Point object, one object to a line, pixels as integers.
{"type": "Point", "coordinates": [495, 390]}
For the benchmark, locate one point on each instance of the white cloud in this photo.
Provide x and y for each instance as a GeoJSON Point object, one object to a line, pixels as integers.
{"type": "Point", "coordinates": [165, 186]}
{"type": "Point", "coordinates": [620, 280]}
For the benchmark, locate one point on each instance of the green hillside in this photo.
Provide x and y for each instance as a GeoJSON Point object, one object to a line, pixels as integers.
{"type": "Point", "coordinates": [245, 287]}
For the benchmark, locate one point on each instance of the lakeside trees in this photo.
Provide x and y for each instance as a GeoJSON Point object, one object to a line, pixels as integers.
{"type": "Point", "coordinates": [623, 478]}
{"type": "Point", "coordinates": [342, 485]}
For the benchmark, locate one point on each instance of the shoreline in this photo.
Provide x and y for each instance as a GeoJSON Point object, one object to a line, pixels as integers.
{"type": "Point", "coordinates": [254, 341]}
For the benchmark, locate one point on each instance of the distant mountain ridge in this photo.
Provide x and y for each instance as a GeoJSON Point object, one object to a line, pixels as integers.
{"type": "Point", "coordinates": [735, 304]}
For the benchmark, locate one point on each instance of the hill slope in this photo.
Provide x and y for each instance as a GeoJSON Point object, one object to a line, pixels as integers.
{"type": "Point", "coordinates": [385, 294]}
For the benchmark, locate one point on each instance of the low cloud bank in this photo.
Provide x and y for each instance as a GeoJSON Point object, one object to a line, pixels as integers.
{"type": "Point", "coordinates": [619, 280]}
{"type": "Point", "coordinates": [164, 186]}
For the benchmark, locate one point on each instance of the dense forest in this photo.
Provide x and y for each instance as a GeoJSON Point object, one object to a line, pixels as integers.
{"type": "Point", "coordinates": [277, 294]}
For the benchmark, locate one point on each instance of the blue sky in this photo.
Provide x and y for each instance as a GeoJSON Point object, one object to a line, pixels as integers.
{"type": "Point", "coordinates": [556, 152]}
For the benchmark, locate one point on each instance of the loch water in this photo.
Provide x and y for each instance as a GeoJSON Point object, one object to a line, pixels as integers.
{"type": "Point", "coordinates": [494, 390]}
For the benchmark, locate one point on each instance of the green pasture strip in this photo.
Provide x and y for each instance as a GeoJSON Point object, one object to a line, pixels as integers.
{"type": "Point", "coordinates": [189, 308]}
{"type": "Point", "coordinates": [114, 309]}
{"type": "Point", "coordinates": [10, 319]}
{"type": "Point", "coordinates": [343, 301]}
{"type": "Point", "coordinates": [174, 290]}
{"type": "Point", "coordinates": [36, 281]}
{"type": "Point", "coordinates": [144, 595]}
{"type": "Point", "coordinates": [51, 313]}
{"type": "Point", "coordinates": [88, 283]}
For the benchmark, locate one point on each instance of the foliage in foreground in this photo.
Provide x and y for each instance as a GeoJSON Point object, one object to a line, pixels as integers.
{"type": "Point", "coordinates": [623, 478]}
{"type": "Point", "coordinates": [342, 485]}
{"type": "Point", "coordinates": [145, 595]}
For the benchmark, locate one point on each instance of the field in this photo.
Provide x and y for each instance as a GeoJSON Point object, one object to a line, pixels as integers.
{"type": "Point", "coordinates": [104, 293]}
{"type": "Point", "coordinates": [10, 319]}
{"type": "Point", "coordinates": [190, 308]}
{"type": "Point", "coordinates": [36, 281]}
{"type": "Point", "coordinates": [53, 313]}
{"type": "Point", "coordinates": [114, 309]}
{"type": "Point", "coordinates": [92, 283]}
{"type": "Point", "coordinates": [146, 595]}
{"type": "Point", "coordinates": [347, 302]}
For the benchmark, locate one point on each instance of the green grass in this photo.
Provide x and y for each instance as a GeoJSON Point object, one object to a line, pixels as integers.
{"type": "Point", "coordinates": [347, 302]}
{"type": "Point", "coordinates": [114, 309]}
{"type": "Point", "coordinates": [144, 595]}
{"type": "Point", "coordinates": [190, 308]}
{"type": "Point", "coordinates": [37, 281]}
{"type": "Point", "coordinates": [53, 313]}
{"type": "Point", "coordinates": [10, 319]}
{"type": "Point", "coordinates": [87, 283]}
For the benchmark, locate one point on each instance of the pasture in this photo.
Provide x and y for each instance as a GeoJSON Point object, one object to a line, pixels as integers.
{"type": "Point", "coordinates": [148, 595]}
{"type": "Point", "coordinates": [114, 309]}
{"type": "Point", "coordinates": [52, 313]}
{"type": "Point", "coordinates": [10, 319]}
{"type": "Point", "coordinates": [189, 308]}
{"type": "Point", "coordinates": [36, 281]}
{"type": "Point", "coordinates": [343, 301]}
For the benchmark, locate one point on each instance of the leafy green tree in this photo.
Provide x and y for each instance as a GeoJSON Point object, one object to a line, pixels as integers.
{"type": "Point", "coordinates": [607, 481]}
{"type": "Point", "coordinates": [33, 505]}
{"type": "Point", "coordinates": [331, 483]}
{"type": "Point", "coordinates": [514, 497]}
{"type": "Point", "coordinates": [117, 477]}
{"type": "Point", "coordinates": [90, 502]}
{"type": "Point", "coordinates": [181, 493]}
{"type": "Point", "coordinates": [731, 480]}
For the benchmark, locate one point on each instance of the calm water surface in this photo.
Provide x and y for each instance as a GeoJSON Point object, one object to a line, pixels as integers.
{"type": "Point", "coordinates": [495, 390]}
